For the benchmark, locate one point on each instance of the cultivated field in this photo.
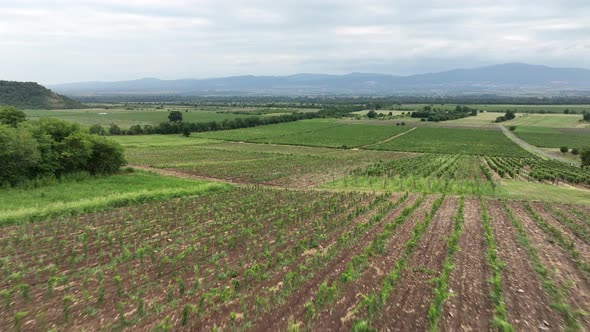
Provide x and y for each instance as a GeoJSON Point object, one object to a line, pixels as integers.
{"type": "Point", "coordinates": [312, 225]}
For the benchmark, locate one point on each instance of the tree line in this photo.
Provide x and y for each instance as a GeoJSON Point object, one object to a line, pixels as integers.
{"type": "Point", "coordinates": [176, 125]}
{"type": "Point", "coordinates": [51, 148]}
{"type": "Point", "coordinates": [429, 113]}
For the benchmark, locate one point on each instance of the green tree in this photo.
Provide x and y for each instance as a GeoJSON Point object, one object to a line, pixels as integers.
{"type": "Point", "coordinates": [107, 156]}
{"type": "Point", "coordinates": [115, 130]}
{"type": "Point", "coordinates": [564, 149]}
{"type": "Point", "coordinates": [175, 116]}
{"type": "Point", "coordinates": [97, 129]}
{"type": "Point", "coordinates": [586, 116]}
{"type": "Point", "coordinates": [575, 151]}
{"type": "Point", "coordinates": [372, 114]}
{"type": "Point", "coordinates": [10, 116]}
{"type": "Point", "coordinates": [19, 155]}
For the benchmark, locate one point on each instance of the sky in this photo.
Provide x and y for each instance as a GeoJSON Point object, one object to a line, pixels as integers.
{"type": "Point", "coordinates": [59, 41]}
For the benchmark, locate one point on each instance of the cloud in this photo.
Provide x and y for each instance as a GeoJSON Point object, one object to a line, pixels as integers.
{"type": "Point", "coordinates": [55, 41]}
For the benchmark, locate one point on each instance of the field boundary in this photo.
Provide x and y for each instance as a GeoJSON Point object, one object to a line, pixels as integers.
{"type": "Point", "coordinates": [389, 138]}
{"type": "Point", "coordinates": [531, 148]}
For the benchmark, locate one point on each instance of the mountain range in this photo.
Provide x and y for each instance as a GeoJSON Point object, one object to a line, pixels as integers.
{"type": "Point", "coordinates": [507, 79]}
{"type": "Point", "coordinates": [31, 95]}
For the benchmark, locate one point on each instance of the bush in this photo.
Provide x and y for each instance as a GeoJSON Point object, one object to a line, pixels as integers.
{"type": "Point", "coordinates": [564, 149]}
{"type": "Point", "coordinates": [575, 151]}
{"type": "Point", "coordinates": [52, 147]}
{"type": "Point", "coordinates": [10, 116]}
{"type": "Point", "coordinates": [512, 128]}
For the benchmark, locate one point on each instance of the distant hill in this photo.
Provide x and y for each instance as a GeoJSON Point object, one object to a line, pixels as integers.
{"type": "Point", "coordinates": [30, 95]}
{"type": "Point", "coordinates": [507, 79]}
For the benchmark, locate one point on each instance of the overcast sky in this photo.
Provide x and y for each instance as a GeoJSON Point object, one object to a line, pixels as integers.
{"type": "Point", "coordinates": [57, 41]}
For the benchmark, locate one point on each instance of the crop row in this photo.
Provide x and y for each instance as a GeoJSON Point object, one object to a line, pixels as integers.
{"type": "Point", "coordinates": [538, 169]}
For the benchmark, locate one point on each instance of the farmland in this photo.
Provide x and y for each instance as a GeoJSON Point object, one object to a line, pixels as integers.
{"type": "Point", "coordinates": [266, 258]}
{"type": "Point", "coordinates": [312, 225]}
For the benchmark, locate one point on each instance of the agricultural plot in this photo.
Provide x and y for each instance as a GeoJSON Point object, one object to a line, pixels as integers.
{"type": "Point", "coordinates": [126, 118]}
{"type": "Point", "coordinates": [351, 136]}
{"type": "Point", "coordinates": [554, 138]}
{"type": "Point", "coordinates": [83, 193]}
{"type": "Point", "coordinates": [265, 259]}
{"type": "Point", "coordinates": [538, 169]}
{"type": "Point", "coordinates": [549, 121]}
{"type": "Point", "coordinates": [268, 131]}
{"type": "Point", "coordinates": [429, 173]}
{"type": "Point", "coordinates": [454, 140]}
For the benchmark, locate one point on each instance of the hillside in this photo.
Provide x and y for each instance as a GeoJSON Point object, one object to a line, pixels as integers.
{"type": "Point", "coordinates": [504, 79]}
{"type": "Point", "coordinates": [30, 95]}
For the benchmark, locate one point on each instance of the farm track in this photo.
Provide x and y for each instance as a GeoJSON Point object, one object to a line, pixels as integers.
{"type": "Point", "coordinates": [388, 139]}
{"type": "Point", "coordinates": [338, 315]}
{"type": "Point", "coordinates": [527, 303]}
{"type": "Point", "coordinates": [469, 308]}
{"type": "Point", "coordinates": [294, 306]}
{"type": "Point", "coordinates": [564, 270]}
{"type": "Point", "coordinates": [533, 149]}
{"type": "Point", "coordinates": [408, 305]}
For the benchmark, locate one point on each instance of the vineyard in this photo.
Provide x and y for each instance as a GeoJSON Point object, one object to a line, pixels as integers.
{"type": "Point", "coordinates": [267, 259]}
{"type": "Point", "coordinates": [538, 169]}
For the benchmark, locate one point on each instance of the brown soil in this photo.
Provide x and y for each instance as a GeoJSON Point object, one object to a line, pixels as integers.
{"type": "Point", "coordinates": [339, 315]}
{"type": "Point", "coordinates": [407, 307]}
{"type": "Point", "coordinates": [526, 301]}
{"type": "Point", "coordinates": [558, 261]}
{"type": "Point", "coordinates": [469, 307]}
{"type": "Point", "coordinates": [293, 307]}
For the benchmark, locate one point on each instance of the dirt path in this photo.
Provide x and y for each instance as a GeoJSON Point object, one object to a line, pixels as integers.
{"type": "Point", "coordinates": [533, 149]}
{"type": "Point", "coordinates": [527, 302]}
{"type": "Point", "coordinates": [388, 139]}
{"type": "Point", "coordinates": [470, 309]}
{"type": "Point", "coordinates": [407, 307]}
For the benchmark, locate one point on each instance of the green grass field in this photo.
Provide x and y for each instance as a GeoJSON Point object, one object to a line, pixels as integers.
{"type": "Point", "coordinates": [126, 118]}
{"type": "Point", "coordinates": [454, 140]}
{"type": "Point", "coordinates": [553, 138]}
{"type": "Point", "coordinates": [268, 131]}
{"type": "Point", "coordinates": [85, 194]}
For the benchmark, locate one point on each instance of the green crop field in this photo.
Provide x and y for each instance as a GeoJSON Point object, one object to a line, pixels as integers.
{"type": "Point", "coordinates": [126, 118]}
{"type": "Point", "coordinates": [339, 136]}
{"type": "Point", "coordinates": [554, 138]}
{"type": "Point", "coordinates": [268, 131]}
{"type": "Point", "coordinates": [454, 140]}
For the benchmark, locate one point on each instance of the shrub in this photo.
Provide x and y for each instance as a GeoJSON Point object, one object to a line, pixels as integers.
{"type": "Point", "coordinates": [564, 149]}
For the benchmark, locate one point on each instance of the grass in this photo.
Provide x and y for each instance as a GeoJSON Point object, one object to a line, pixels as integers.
{"type": "Point", "coordinates": [87, 194]}
{"type": "Point", "coordinates": [549, 120]}
{"type": "Point", "coordinates": [164, 141]}
{"type": "Point", "coordinates": [455, 140]}
{"type": "Point", "coordinates": [521, 190]}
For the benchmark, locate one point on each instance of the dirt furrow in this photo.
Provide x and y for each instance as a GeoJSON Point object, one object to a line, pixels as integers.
{"type": "Point", "coordinates": [469, 308]}
{"type": "Point", "coordinates": [277, 319]}
{"type": "Point", "coordinates": [557, 260]}
{"type": "Point", "coordinates": [581, 246]}
{"type": "Point", "coordinates": [337, 316]}
{"type": "Point", "coordinates": [526, 301]}
{"type": "Point", "coordinates": [407, 307]}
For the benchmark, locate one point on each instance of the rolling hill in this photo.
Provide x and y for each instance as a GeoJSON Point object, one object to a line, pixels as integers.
{"type": "Point", "coordinates": [31, 95]}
